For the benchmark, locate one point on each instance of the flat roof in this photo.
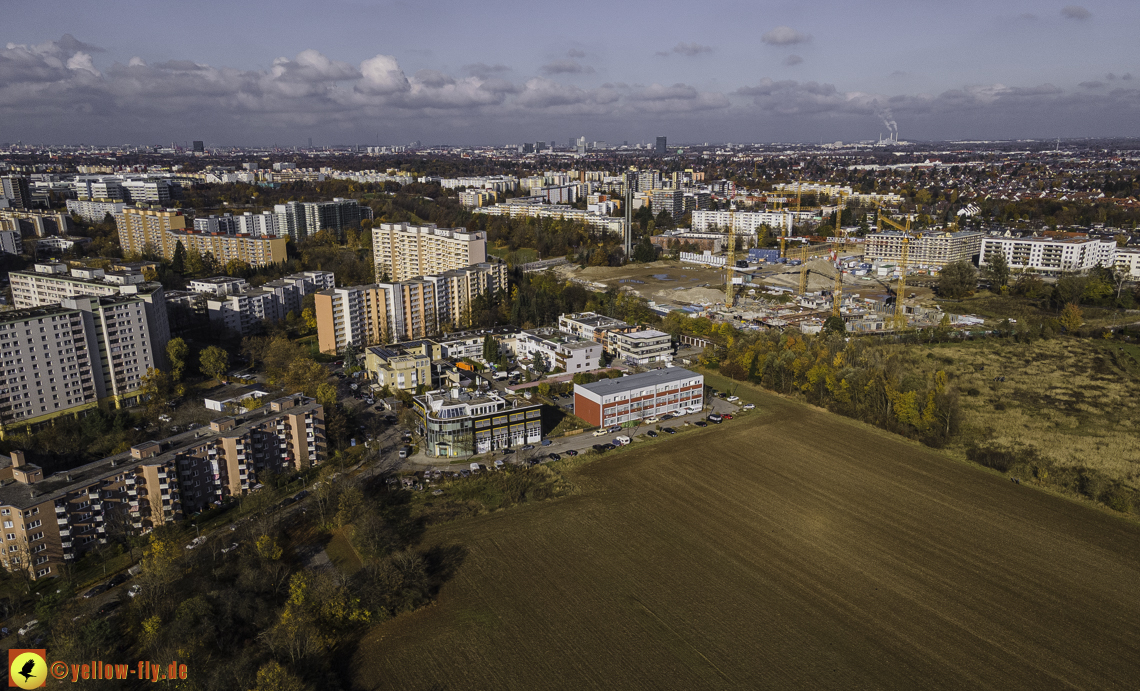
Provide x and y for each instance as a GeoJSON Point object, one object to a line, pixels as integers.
{"type": "Point", "coordinates": [646, 333]}
{"type": "Point", "coordinates": [634, 381]}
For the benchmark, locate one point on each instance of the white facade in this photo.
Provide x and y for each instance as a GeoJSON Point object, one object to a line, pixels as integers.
{"type": "Point", "coordinates": [1127, 260]}
{"type": "Point", "coordinates": [642, 347]}
{"type": "Point", "coordinates": [239, 309]}
{"type": "Point", "coordinates": [558, 349]}
{"type": "Point", "coordinates": [1048, 255]}
{"type": "Point", "coordinates": [748, 221]}
{"type": "Point", "coordinates": [94, 211]}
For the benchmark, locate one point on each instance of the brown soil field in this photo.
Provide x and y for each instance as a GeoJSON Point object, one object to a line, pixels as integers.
{"type": "Point", "coordinates": [793, 549]}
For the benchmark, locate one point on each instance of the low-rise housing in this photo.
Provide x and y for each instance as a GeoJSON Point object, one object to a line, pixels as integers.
{"type": "Point", "coordinates": [642, 347]}
{"type": "Point", "coordinates": [560, 350]}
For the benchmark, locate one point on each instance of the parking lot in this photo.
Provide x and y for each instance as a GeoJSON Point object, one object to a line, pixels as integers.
{"type": "Point", "coordinates": [578, 443]}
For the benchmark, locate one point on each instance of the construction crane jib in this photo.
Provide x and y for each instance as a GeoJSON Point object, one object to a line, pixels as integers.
{"type": "Point", "coordinates": [900, 284]}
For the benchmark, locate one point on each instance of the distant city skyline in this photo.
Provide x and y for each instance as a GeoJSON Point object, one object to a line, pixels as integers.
{"type": "Point", "coordinates": [387, 73]}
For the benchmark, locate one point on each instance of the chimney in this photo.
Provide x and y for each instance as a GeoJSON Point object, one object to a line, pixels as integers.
{"type": "Point", "coordinates": [17, 459]}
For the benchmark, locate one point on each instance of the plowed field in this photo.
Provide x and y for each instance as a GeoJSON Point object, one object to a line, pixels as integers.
{"type": "Point", "coordinates": [790, 550]}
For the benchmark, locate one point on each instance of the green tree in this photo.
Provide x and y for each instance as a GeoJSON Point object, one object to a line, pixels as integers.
{"type": "Point", "coordinates": [997, 270]}
{"type": "Point", "coordinates": [273, 676]}
{"type": "Point", "coordinates": [956, 280]}
{"type": "Point", "coordinates": [326, 396]}
{"type": "Point", "coordinates": [177, 351]}
{"type": "Point", "coordinates": [178, 262]}
{"type": "Point", "coordinates": [834, 324]}
{"type": "Point", "coordinates": [490, 348]}
{"type": "Point", "coordinates": [214, 362]}
{"type": "Point", "coordinates": [310, 318]}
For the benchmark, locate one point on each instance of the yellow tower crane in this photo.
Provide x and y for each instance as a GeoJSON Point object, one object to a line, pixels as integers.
{"type": "Point", "coordinates": [803, 268]}
{"type": "Point", "coordinates": [729, 267]}
{"type": "Point", "coordinates": [900, 284]}
{"type": "Point", "coordinates": [837, 292]}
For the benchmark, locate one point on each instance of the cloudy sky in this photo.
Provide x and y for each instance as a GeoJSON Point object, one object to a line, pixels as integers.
{"type": "Point", "coordinates": [372, 71]}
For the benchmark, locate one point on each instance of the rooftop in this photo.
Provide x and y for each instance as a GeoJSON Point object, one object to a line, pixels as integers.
{"type": "Point", "coordinates": [62, 483]}
{"type": "Point", "coordinates": [633, 381]}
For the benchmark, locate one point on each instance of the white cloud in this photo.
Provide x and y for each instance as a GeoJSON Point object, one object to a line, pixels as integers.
{"type": "Point", "coordinates": [784, 36]}
{"type": "Point", "coordinates": [382, 75]}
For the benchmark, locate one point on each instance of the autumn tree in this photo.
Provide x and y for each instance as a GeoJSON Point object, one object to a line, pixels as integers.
{"type": "Point", "coordinates": [1071, 318]}
{"type": "Point", "coordinates": [214, 362]}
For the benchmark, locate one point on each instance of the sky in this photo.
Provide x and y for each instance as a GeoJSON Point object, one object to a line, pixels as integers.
{"type": "Point", "coordinates": [387, 73]}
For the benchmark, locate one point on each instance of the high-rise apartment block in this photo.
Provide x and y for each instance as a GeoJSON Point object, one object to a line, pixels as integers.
{"type": "Point", "coordinates": [661, 147]}
{"type": "Point", "coordinates": [51, 522]}
{"type": "Point", "coordinates": [405, 310]}
{"type": "Point", "coordinates": [16, 191]}
{"type": "Point", "coordinates": [402, 251]}
{"type": "Point", "coordinates": [144, 230]}
{"type": "Point", "coordinates": [66, 358]}
{"type": "Point", "coordinates": [50, 284]}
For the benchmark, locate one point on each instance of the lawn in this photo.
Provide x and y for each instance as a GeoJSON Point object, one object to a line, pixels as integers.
{"type": "Point", "coordinates": [792, 549]}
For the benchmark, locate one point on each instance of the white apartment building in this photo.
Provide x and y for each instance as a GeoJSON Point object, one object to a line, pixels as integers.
{"type": "Point", "coordinates": [50, 284]}
{"type": "Point", "coordinates": [402, 251]}
{"type": "Point", "coordinates": [1127, 260]}
{"type": "Point", "coordinates": [560, 350]}
{"type": "Point", "coordinates": [94, 211]}
{"type": "Point", "coordinates": [239, 309]}
{"type": "Point", "coordinates": [642, 347]}
{"type": "Point", "coordinates": [1049, 255]}
{"type": "Point", "coordinates": [219, 285]}
{"type": "Point", "coordinates": [748, 222]}
{"type": "Point", "coordinates": [558, 211]}
{"type": "Point", "coordinates": [931, 249]}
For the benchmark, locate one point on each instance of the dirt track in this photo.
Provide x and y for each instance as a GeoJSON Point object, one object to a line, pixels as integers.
{"type": "Point", "coordinates": [796, 550]}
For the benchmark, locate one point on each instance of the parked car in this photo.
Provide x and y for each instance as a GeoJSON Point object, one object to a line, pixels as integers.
{"type": "Point", "coordinates": [651, 434]}
{"type": "Point", "coordinates": [528, 447]}
{"type": "Point", "coordinates": [508, 452]}
{"type": "Point", "coordinates": [465, 473]}
{"type": "Point", "coordinates": [110, 606]}
{"type": "Point", "coordinates": [733, 399]}
{"type": "Point", "coordinates": [102, 587]}
{"type": "Point", "coordinates": [601, 432]}
{"type": "Point", "coordinates": [701, 423]}
{"type": "Point", "coordinates": [602, 448]}
{"type": "Point", "coordinates": [614, 428]}
{"type": "Point", "coordinates": [554, 457]}
{"type": "Point", "coordinates": [652, 420]}
{"type": "Point", "coordinates": [134, 590]}
{"type": "Point", "coordinates": [714, 417]}
{"type": "Point", "coordinates": [474, 467]}
{"type": "Point", "coordinates": [28, 627]}
{"type": "Point", "coordinates": [499, 463]}
{"type": "Point", "coordinates": [749, 406]}
{"type": "Point", "coordinates": [622, 440]}
{"type": "Point", "coordinates": [668, 430]}
{"type": "Point", "coordinates": [546, 442]}
{"type": "Point", "coordinates": [726, 416]}
{"type": "Point", "coordinates": [571, 452]}
{"type": "Point", "coordinates": [117, 580]}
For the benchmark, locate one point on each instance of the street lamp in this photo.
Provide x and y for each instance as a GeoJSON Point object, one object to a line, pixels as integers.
{"type": "Point", "coordinates": [196, 532]}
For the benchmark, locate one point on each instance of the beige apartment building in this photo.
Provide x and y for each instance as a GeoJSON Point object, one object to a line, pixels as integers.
{"type": "Point", "coordinates": [253, 250]}
{"type": "Point", "coordinates": [50, 522]}
{"type": "Point", "coordinates": [402, 251]}
{"type": "Point", "coordinates": [407, 310]}
{"type": "Point", "coordinates": [143, 230]}
{"type": "Point", "coordinates": [930, 249]}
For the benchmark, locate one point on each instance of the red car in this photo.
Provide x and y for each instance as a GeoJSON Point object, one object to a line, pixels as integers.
{"type": "Point", "coordinates": [726, 416]}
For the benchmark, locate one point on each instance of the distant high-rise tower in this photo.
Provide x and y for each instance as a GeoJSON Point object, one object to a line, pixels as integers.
{"type": "Point", "coordinates": [310, 142]}
{"type": "Point", "coordinates": [661, 146]}
{"type": "Point", "coordinates": [199, 146]}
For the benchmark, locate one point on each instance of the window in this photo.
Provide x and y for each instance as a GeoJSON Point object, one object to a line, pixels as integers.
{"type": "Point", "coordinates": [8, 524]}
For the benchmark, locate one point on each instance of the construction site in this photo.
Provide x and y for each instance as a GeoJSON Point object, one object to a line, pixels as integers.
{"type": "Point", "coordinates": [805, 285]}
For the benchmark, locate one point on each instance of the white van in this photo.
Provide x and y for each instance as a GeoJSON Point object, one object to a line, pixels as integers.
{"type": "Point", "coordinates": [623, 440]}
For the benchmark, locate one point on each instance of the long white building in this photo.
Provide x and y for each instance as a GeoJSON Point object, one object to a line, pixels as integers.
{"type": "Point", "coordinates": [558, 211]}
{"type": "Point", "coordinates": [928, 249]}
{"type": "Point", "coordinates": [1050, 255]}
{"type": "Point", "coordinates": [748, 221]}
{"type": "Point", "coordinates": [235, 307]}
